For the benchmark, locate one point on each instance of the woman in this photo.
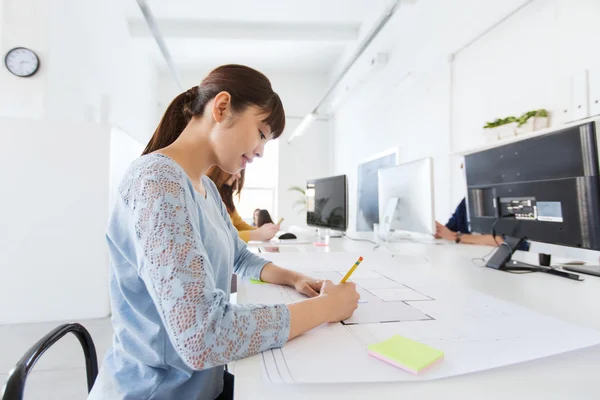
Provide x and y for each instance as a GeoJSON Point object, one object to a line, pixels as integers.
{"type": "Point", "coordinates": [255, 217]}
{"type": "Point", "coordinates": [173, 250]}
{"type": "Point", "coordinates": [230, 185]}
{"type": "Point", "coordinates": [264, 218]}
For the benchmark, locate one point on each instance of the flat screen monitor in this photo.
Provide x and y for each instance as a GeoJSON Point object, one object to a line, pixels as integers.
{"type": "Point", "coordinates": [412, 185]}
{"type": "Point", "coordinates": [545, 188]}
{"type": "Point", "coordinates": [367, 212]}
{"type": "Point", "coordinates": [327, 203]}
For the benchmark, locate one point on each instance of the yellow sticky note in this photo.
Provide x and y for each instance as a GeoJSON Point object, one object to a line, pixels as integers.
{"type": "Point", "coordinates": [257, 282]}
{"type": "Point", "coordinates": [405, 353]}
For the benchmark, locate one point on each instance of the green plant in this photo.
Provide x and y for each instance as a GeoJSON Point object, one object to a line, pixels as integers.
{"type": "Point", "coordinates": [521, 120]}
{"type": "Point", "coordinates": [500, 122]}
{"type": "Point", "coordinates": [536, 113]}
{"type": "Point", "coordinates": [300, 204]}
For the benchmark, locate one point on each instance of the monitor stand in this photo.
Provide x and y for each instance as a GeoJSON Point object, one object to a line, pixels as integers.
{"type": "Point", "coordinates": [405, 236]}
{"type": "Point", "coordinates": [323, 233]}
{"type": "Point", "coordinates": [583, 269]}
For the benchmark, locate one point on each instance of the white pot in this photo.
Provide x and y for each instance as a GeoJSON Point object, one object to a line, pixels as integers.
{"type": "Point", "coordinates": [491, 135]}
{"type": "Point", "coordinates": [506, 130]}
{"type": "Point", "coordinates": [533, 124]}
{"type": "Point", "coordinates": [540, 123]}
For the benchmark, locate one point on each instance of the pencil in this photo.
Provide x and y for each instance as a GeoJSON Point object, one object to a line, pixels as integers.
{"type": "Point", "coordinates": [280, 221]}
{"type": "Point", "coordinates": [356, 264]}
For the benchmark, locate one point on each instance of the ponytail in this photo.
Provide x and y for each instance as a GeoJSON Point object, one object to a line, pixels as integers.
{"type": "Point", "coordinates": [176, 117]}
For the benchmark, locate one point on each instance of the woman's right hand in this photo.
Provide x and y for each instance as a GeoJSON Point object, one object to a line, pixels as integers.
{"type": "Point", "coordinates": [343, 299]}
{"type": "Point", "coordinates": [266, 232]}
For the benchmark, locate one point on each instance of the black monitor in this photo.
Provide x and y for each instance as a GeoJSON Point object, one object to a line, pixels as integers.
{"type": "Point", "coordinates": [327, 203]}
{"type": "Point", "coordinates": [545, 188]}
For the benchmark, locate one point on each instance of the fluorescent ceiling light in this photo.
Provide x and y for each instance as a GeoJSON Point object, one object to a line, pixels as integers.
{"type": "Point", "coordinates": [304, 125]}
{"type": "Point", "coordinates": [387, 15]}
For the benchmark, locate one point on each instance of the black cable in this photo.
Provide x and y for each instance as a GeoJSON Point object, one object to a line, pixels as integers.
{"type": "Point", "coordinates": [484, 257]}
{"type": "Point", "coordinates": [496, 221]}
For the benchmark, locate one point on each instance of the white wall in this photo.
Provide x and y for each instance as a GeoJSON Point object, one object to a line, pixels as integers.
{"type": "Point", "coordinates": [521, 65]}
{"type": "Point", "coordinates": [54, 210]}
{"type": "Point", "coordinates": [307, 157]}
{"type": "Point", "coordinates": [124, 149]}
{"type": "Point", "coordinates": [56, 162]}
{"type": "Point", "coordinates": [430, 105]}
{"type": "Point", "coordinates": [413, 115]}
{"type": "Point", "coordinates": [90, 68]}
{"type": "Point", "coordinates": [406, 103]}
{"type": "Point", "coordinates": [22, 27]}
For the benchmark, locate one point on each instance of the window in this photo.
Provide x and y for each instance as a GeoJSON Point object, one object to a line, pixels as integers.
{"type": "Point", "coordinates": [260, 186]}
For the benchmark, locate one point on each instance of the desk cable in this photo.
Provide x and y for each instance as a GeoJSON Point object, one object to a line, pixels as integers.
{"type": "Point", "coordinates": [361, 240]}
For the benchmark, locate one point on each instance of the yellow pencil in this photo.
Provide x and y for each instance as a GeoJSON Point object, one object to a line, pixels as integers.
{"type": "Point", "coordinates": [280, 221]}
{"type": "Point", "coordinates": [356, 264]}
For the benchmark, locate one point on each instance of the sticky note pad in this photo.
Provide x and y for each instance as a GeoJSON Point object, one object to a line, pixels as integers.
{"type": "Point", "coordinates": [405, 353]}
{"type": "Point", "coordinates": [256, 281]}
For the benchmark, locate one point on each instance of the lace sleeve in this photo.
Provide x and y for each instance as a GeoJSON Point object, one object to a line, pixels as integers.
{"type": "Point", "coordinates": [205, 329]}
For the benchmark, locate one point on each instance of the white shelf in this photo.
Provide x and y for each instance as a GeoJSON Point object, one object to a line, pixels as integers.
{"type": "Point", "coordinates": [518, 138]}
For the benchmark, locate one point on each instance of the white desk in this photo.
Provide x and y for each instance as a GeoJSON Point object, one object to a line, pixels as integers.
{"type": "Point", "coordinates": [573, 375]}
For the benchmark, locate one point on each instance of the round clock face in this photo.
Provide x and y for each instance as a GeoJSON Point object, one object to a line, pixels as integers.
{"type": "Point", "coordinates": [22, 62]}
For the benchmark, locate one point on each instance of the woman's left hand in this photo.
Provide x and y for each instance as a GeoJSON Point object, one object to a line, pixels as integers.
{"type": "Point", "coordinates": [307, 286]}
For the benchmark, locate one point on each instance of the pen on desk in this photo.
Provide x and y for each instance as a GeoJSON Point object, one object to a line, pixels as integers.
{"type": "Point", "coordinates": [280, 221]}
{"type": "Point", "coordinates": [356, 264]}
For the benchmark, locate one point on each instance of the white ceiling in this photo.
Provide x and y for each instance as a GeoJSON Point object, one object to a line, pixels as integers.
{"type": "Point", "coordinates": [270, 35]}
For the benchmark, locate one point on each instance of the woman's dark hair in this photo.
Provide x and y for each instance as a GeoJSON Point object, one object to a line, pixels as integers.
{"type": "Point", "coordinates": [263, 218]}
{"type": "Point", "coordinates": [220, 178]}
{"type": "Point", "coordinates": [246, 86]}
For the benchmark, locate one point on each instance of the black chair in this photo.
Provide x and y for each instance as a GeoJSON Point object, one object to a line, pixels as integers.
{"type": "Point", "coordinates": [15, 385]}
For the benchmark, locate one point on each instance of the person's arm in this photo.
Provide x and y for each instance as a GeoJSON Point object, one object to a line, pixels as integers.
{"type": "Point", "coordinates": [244, 230]}
{"type": "Point", "coordinates": [333, 303]}
{"type": "Point", "coordinates": [272, 273]}
{"type": "Point", "coordinates": [485, 240]}
{"type": "Point", "coordinates": [316, 311]}
{"type": "Point", "coordinates": [247, 232]}
{"type": "Point", "coordinates": [204, 328]}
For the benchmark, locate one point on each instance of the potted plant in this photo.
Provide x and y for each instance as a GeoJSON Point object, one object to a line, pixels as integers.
{"type": "Point", "coordinates": [532, 121]}
{"type": "Point", "coordinates": [300, 204]}
{"type": "Point", "coordinates": [500, 128]}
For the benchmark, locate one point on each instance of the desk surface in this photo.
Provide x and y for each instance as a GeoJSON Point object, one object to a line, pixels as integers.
{"type": "Point", "coordinates": [571, 375]}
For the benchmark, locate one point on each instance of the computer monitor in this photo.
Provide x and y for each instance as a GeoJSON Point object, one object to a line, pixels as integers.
{"type": "Point", "coordinates": [327, 203]}
{"type": "Point", "coordinates": [545, 188]}
{"type": "Point", "coordinates": [367, 207]}
{"type": "Point", "coordinates": [412, 184]}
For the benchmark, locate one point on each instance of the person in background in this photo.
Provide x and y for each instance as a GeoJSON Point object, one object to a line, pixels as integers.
{"type": "Point", "coordinates": [263, 218]}
{"type": "Point", "coordinates": [229, 186]}
{"type": "Point", "coordinates": [255, 217]}
{"type": "Point", "coordinates": [173, 250]}
{"type": "Point", "coordinates": [457, 230]}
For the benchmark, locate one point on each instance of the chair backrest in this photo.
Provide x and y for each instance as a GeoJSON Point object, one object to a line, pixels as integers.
{"type": "Point", "coordinates": [15, 385]}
